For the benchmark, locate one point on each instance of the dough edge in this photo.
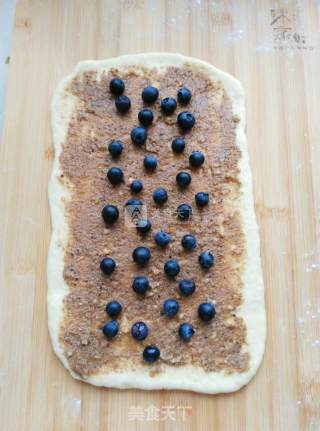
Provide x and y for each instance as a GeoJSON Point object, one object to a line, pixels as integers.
{"type": "Point", "coordinates": [252, 310]}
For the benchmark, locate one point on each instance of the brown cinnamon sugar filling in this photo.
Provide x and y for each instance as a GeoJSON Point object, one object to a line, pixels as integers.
{"type": "Point", "coordinates": [216, 345]}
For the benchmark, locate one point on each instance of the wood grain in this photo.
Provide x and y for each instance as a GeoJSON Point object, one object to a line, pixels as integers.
{"type": "Point", "coordinates": [282, 86]}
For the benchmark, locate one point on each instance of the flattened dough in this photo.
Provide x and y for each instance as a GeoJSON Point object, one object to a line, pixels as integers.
{"type": "Point", "coordinates": [252, 308]}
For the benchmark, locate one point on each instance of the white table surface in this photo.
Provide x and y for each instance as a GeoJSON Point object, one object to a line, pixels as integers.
{"type": "Point", "coordinates": [7, 9]}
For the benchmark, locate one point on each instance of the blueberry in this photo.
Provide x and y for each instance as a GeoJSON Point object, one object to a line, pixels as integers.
{"type": "Point", "coordinates": [113, 308]}
{"type": "Point", "coordinates": [115, 148]}
{"type": "Point", "coordinates": [150, 162]}
{"type": "Point", "coordinates": [107, 265]}
{"type": "Point", "coordinates": [186, 120]}
{"type": "Point", "coordinates": [134, 202]}
{"type": "Point", "coordinates": [143, 225]}
{"type": "Point", "coordinates": [116, 86]}
{"type": "Point", "coordinates": [160, 195]}
{"type": "Point", "coordinates": [139, 135]}
{"type": "Point", "coordinates": [183, 179]}
{"type": "Point", "coordinates": [110, 329]}
{"type": "Point", "coordinates": [110, 213]}
{"type": "Point", "coordinates": [186, 331]}
{"type": "Point", "coordinates": [206, 259]}
{"type": "Point", "coordinates": [136, 186]}
{"type": "Point", "coordinates": [140, 285]}
{"type": "Point", "coordinates": [139, 331]}
{"type": "Point", "coordinates": [145, 117]}
{"type": "Point", "coordinates": [162, 238]}
{"type": "Point", "coordinates": [189, 242]}
{"type": "Point", "coordinates": [187, 287]}
{"type": "Point", "coordinates": [123, 104]}
{"type": "Point", "coordinates": [184, 95]}
{"type": "Point", "coordinates": [202, 199]}
{"type": "Point", "coordinates": [168, 105]}
{"type": "Point", "coordinates": [178, 145]}
{"type": "Point", "coordinates": [170, 307]}
{"type": "Point", "coordinates": [172, 268]}
{"type": "Point", "coordinates": [115, 176]}
{"type": "Point", "coordinates": [150, 94]}
{"type": "Point", "coordinates": [196, 159]}
{"type": "Point", "coordinates": [141, 255]}
{"type": "Point", "coordinates": [184, 211]}
{"type": "Point", "coordinates": [151, 354]}
{"type": "Point", "coordinates": [206, 311]}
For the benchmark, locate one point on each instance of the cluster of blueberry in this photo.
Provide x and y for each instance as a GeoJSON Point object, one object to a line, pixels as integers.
{"type": "Point", "coordinates": [149, 95]}
{"type": "Point", "coordinates": [141, 255]}
{"type": "Point", "coordinates": [160, 195]}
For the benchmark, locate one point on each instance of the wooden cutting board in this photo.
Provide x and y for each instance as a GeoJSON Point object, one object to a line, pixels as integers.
{"type": "Point", "coordinates": [273, 48]}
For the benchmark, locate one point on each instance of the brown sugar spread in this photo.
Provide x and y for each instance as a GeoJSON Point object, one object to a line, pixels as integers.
{"type": "Point", "coordinates": [217, 345]}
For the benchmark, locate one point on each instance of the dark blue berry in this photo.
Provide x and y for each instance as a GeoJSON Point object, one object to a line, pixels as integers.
{"type": "Point", "coordinates": [110, 214]}
{"type": "Point", "coordinates": [150, 94]}
{"type": "Point", "coordinates": [110, 329]}
{"type": "Point", "coordinates": [139, 135]}
{"type": "Point", "coordinates": [160, 195]}
{"type": "Point", "coordinates": [145, 117]}
{"type": "Point", "coordinates": [151, 354]}
{"type": "Point", "coordinates": [168, 105]}
{"type": "Point", "coordinates": [184, 95]}
{"type": "Point", "coordinates": [178, 145]}
{"type": "Point", "coordinates": [184, 211]}
{"type": "Point", "coordinates": [143, 225]}
{"type": "Point", "coordinates": [186, 331]}
{"type": "Point", "coordinates": [206, 259]}
{"type": "Point", "coordinates": [170, 307]}
{"type": "Point", "coordinates": [139, 331]}
{"type": "Point", "coordinates": [206, 311]}
{"type": "Point", "coordinates": [116, 86]}
{"type": "Point", "coordinates": [141, 255]}
{"type": "Point", "coordinates": [136, 186]}
{"type": "Point", "coordinates": [202, 199]}
{"type": "Point", "coordinates": [107, 265]}
{"type": "Point", "coordinates": [134, 202]}
{"type": "Point", "coordinates": [123, 104]}
{"type": "Point", "coordinates": [186, 120]}
{"type": "Point", "coordinates": [150, 162]}
{"type": "Point", "coordinates": [196, 159]}
{"type": "Point", "coordinates": [115, 148]}
{"type": "Point", "coordinates": [162, 238]}
{"type": "Point", "coordinates": [183, 179]}
{"type": "Point", "coordinates": [189, 242]}
{"type": "Point", "coordinates": [172, 268]}
{"type": "Point", "coordinates": [113, 308]}
{"type": "Point", "coordinates": [187, 287]}
{"type": "Point", "coordinates": [115, 175]}
{"type": "Point", "coordinates": [140, 285]}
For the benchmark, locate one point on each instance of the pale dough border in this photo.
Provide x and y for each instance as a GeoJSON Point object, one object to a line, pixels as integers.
{"type": "Point", "coordinates": [252, 309]}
